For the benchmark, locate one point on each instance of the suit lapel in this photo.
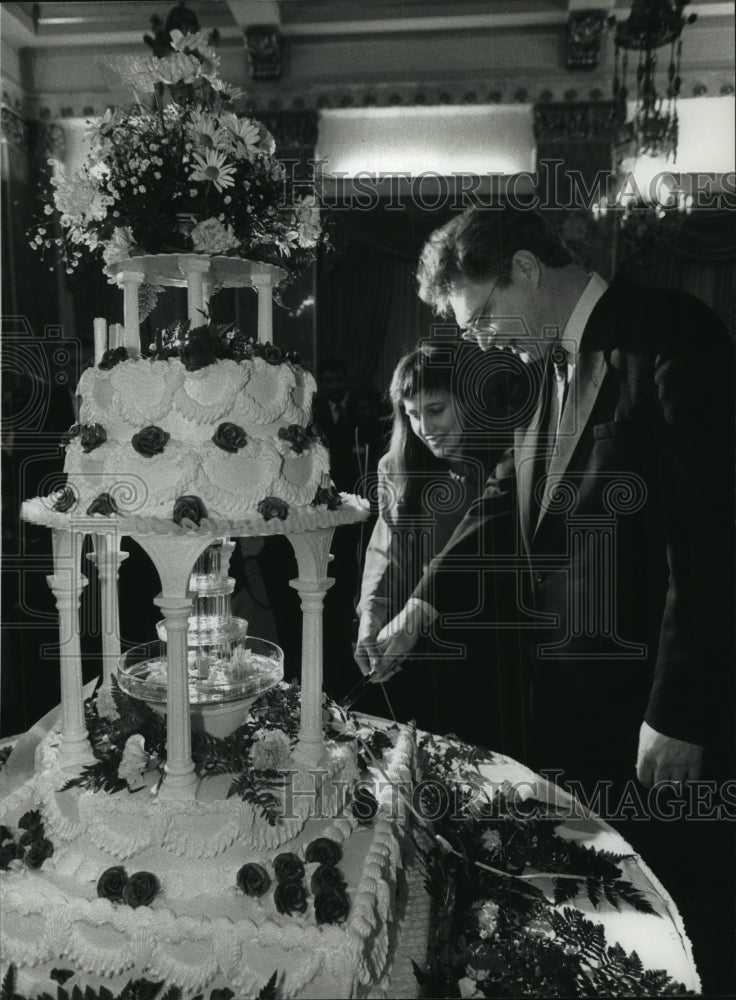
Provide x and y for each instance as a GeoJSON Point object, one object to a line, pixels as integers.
{"type": "Point", "coordinates": [526, 443]}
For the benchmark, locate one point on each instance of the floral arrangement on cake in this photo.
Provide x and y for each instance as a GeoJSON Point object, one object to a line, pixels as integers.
{"type": "Point", "coordinates": [188, 173]}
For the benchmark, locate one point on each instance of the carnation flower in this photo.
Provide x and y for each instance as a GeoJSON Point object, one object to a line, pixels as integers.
{"type": "Point", "coordinates": [213, 237]}
{"type": "Point", "coordinates": [178, 68]}
{"type": "Point", "coordinates": [213, 167]}
{"type": "Point", "coordinates": [308, 224]}
{"type": "Point", "coordinates": [488, 919]}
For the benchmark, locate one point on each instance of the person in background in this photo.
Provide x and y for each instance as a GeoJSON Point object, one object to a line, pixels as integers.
{"type": "Point", "coordinates": [468, 679]}
{"type": "Point", "coordinates": [350, 421]}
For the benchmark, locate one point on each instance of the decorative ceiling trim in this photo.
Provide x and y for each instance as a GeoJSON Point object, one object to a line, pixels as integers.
{"type": "Point", "coordinates": [574, 122]}
{"type": "Point", "coordinates": [89, 104]}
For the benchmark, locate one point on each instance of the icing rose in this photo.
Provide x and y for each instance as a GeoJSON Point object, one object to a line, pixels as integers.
{"type": "Point", "coordinates": [103, 504]}
{"type": "Point", "coordinates": [188, 508]}
{"type": "Point", "coordinates": [288, 867]}
{"type": "Point", "coordinates": [294, 358]}
{"type": "Point", "coordinates": [296, 436]}
{"type": "Point", "coordinates": [150, 440]}
{"type": "Point", "coordinates": [93, 435]}
{"type": "Point", "coordinates": [326, 877]}
{"type": "Point", "coordinates": [331, 906]}
{"type": "Point", "coordinates": [272, 507]}
{"type": "Point", "coordinates": [324, 851]}
{"type": "Point", "coordinates": [328, 496]}
{"type": "Point", "coordinates": [253, 880]}
{"type": "Point", "coordinates": [111, 883]}
{"type": "Point", "coordinates": [37, 852]}
{"type": "Point", "coordinates": [202, 349]}
{"type": "Point", "coordinates": [30, 820]}
{"type": "Point", "coordinates": [9, 852]}
{"type": "Point", "coordinates": [5, 834]}
{"type": "Point", "coordinates": [140, 889]}
{"type": "Point", "coordinates": [290, 897]}
{"type": "Point", "coordinates": [317, 434]}
{"type": "Point", "coordinates": [272, 354]}
{"type": "Point", "coordinates": [113, 357]}
{"type": "Point", "coordinates": [230, 437]}
{"type": "Point", "coordinates": [64, 499]}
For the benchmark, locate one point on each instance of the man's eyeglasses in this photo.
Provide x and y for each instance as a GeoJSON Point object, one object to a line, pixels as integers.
{"type": "Point", "coordinates": [482, 322]}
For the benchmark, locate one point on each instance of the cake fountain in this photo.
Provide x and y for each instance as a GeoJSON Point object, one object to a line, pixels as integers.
{"type": "Point", "coordinates": [227, 669]}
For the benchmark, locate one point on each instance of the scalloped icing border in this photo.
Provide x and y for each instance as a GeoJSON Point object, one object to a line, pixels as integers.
{"type": "Point", "coordinates": [353, 508]}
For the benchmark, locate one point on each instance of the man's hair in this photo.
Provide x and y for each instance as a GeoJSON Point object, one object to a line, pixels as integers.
{"type": "Point", "coordinates": [480, 244]}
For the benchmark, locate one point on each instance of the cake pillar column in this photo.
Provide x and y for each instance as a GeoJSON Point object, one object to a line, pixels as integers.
{"type": "Point", "coordinates": [180, 781]}
{"type": "Point", "coordinates": [67, 583]}
{"type": "Point", "coordinates": [174, 556]}
{"type": "Point", "coordinates": [107, 557]}
{"type": "Point", "coordinates": [263, 283]}
{"type": "Point", "coordinates": [132, 280]}
{"type": "Point", "coordinates": [197, 272]}
{"type": "Point", "coordinates": [312, 553]}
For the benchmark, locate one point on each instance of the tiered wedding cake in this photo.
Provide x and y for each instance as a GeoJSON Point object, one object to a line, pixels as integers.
{"type": "Point", "coordinates": [268, 861]}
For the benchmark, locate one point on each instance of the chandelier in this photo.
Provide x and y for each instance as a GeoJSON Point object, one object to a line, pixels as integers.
{"type": "Point", "coordinates": [653, 128]}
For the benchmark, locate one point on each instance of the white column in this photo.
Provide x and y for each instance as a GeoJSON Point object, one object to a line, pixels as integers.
{"type": "Point", "coordinates": [174, 556]}
{"type": "Point", "coordinates": [132, 280]}
{"type": "Point", "coordinates": [67, 583]}
{"type": "Point", "coordinates": [312, 550]}
{"type": "Point", "coordinates": [100, 333]}
{"type": "Point", "coordinates": [107, 557]}
{"type": "Point", "coordinates": [263, 283]}
{"type": "Point", "coordinates": [196, 270]}
{"type": "Point", "coordinates": [181, 781]}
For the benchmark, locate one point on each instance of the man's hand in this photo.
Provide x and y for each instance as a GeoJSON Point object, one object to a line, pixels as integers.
{"type": "Point", "coordinates": [366, 653]}
{"type": "Point", "coordinates": [664, 758]}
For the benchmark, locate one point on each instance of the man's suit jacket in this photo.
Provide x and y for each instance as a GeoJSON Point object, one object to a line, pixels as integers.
{"type": "Point", "coordinates": [629, 554]}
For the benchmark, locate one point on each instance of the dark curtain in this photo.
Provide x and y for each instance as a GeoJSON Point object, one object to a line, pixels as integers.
{"type": "Point", "coordinates": [368, 311]}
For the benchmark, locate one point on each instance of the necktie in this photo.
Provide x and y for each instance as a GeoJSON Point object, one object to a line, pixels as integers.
{"type": "Point", "coordinates": [559, 364]}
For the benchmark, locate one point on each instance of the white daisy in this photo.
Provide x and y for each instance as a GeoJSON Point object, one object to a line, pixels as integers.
{"type": "Point", "coordinates": [213, 167]}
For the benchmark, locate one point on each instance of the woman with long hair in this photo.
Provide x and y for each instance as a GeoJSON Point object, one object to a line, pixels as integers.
{"type": "Point", "coordinates": [450, 428]}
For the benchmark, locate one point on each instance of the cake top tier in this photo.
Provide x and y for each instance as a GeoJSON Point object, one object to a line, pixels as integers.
{"type": "Point", "coordinates": [185, 169]}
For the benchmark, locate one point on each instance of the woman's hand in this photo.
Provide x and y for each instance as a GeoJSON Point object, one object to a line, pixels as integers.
{"type": "Point", "coordinates": [397, 639]}
{"type": "Point", "coordinates": [366, 653]}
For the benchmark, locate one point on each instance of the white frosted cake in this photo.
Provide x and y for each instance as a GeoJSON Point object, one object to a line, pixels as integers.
{"type": "Point", "coordinates": [201, 930]}
{"type": "Point", "coordinates": [232, 433]}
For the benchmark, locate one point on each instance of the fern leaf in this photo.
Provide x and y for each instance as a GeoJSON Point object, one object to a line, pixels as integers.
{"type": "Point", "coordinates": [7, 990]}
{"type": "Point", "coordinates": [269, 990]}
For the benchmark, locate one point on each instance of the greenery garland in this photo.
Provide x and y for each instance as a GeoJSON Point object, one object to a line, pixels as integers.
{"type": "Point", "coordinates": [277, 710]}
{"type": "Point", "coordinates": [497, 878]}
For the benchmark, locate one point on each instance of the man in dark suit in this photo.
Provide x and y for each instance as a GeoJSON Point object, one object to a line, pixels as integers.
{"type": "Point", "coordinates": [623, 478]}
